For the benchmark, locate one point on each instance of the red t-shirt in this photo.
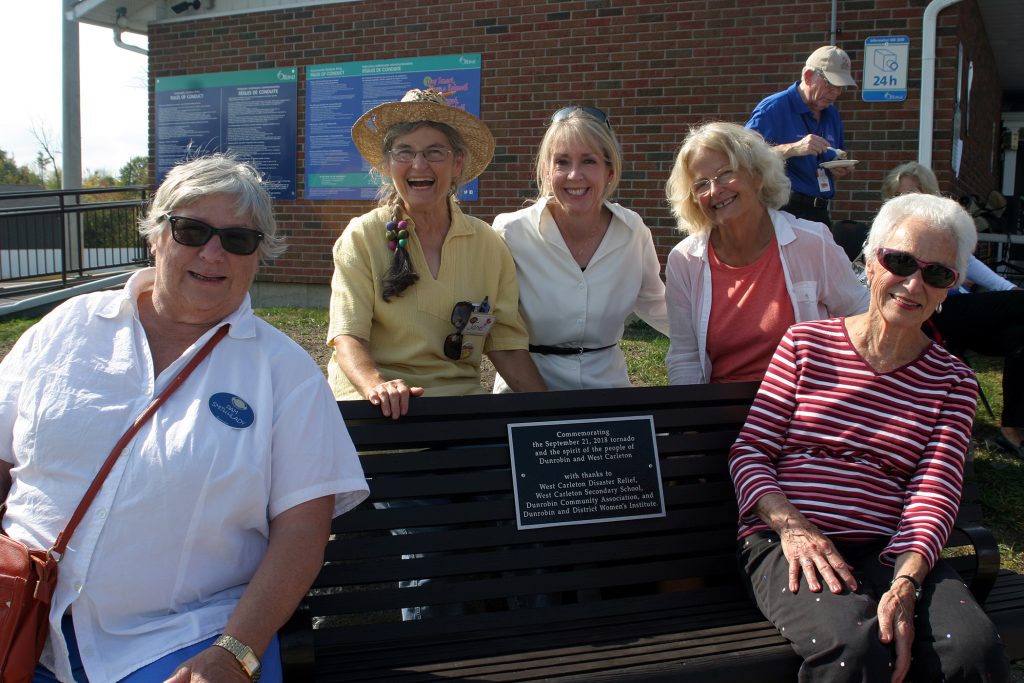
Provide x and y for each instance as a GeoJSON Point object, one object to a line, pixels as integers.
{"type": "Point", "coordinates": [750, 311]}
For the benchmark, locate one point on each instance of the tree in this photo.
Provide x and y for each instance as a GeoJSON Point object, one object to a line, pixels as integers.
{"type": "Point", "coordinates": [12, 174]}
{"type": "Point", "coordinates": [46, 158]}
{"type": "Point", "coordinates": [135, 172]}
{"type": "Point", "coordinates": [98, 178]}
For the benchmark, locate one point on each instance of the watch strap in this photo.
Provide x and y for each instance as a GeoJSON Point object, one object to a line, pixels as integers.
{"type": "Point", "coordinates": [914, 582]}
{"type": "Point", "coordinates": [247, 659]}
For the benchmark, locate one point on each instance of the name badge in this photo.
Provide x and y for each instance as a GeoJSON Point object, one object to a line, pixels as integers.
{"type": "Point", "coordinates": [231, 410]}
{"type": "Point", "coordinates": [824, 184]}
{"type": "Point", "coordinates": [479, 324]}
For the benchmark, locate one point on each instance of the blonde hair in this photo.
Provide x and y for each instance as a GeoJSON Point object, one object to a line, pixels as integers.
{"type": "Point", "coordinates": [922, 174]}
{"type": "Point", "coordinates": [746, 150]}
{"type": "Point", "coordinates": [582, 127]}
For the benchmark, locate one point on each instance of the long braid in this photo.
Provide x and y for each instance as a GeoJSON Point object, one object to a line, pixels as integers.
{"type": "Point", "coordinates": [400, 275]}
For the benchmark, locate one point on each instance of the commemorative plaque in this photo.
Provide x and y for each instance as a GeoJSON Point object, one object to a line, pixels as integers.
{"type": "Point", "coordinates": [585, 471]}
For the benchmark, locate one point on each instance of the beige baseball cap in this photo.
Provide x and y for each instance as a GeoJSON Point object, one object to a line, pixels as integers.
{"type": "Point", "coordinates": [834, 63]}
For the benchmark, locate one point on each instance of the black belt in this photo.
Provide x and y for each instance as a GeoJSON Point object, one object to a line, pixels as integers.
{"type": "Point", "coordinates": [564, 350]}
{"type": "Point", "coordinates": [806, 200]}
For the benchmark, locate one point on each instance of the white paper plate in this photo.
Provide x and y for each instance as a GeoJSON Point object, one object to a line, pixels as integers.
{"type": "Point", "coordinates": [839, 163]}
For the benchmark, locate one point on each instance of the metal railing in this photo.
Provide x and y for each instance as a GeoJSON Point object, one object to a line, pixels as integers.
{"type": "Point", "coordinates": [50, 237]}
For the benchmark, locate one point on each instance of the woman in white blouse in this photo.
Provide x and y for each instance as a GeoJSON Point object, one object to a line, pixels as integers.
{"type": "Point", "coordinates": [584, 263]}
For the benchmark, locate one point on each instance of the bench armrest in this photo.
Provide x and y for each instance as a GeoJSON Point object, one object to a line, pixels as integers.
{"type": "Point", "coordinates": [986, 553]}
{"type": "Point", "coordinates": [296, 641]}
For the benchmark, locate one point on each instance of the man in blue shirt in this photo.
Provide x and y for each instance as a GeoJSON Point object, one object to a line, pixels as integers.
{"type": "Point", "coordinates": [803, 123]}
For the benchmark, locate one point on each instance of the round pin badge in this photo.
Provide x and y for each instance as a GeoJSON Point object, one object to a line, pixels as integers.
{"type": "Point", "coordinates": [231, 410]}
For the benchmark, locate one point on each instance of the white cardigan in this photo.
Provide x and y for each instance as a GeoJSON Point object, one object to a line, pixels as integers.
{"type": "Point", "coordinates": [819, 279]}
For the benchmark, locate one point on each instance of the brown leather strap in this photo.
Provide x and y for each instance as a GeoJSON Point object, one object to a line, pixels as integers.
{"type": "Point", "coordinates": [60, 545]}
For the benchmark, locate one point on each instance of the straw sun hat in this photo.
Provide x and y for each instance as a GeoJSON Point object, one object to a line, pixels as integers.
{"type": "Point", "coordinates": [424, 105]}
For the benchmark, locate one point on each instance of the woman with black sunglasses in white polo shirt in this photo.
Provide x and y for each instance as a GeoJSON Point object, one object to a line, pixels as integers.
{"type": "Point", "coordinates": [212, 523]}
{"type": "Point", "coordinates": [849, 471]}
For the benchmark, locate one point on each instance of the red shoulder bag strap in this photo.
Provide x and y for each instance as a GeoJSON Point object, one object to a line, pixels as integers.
{"type": "Point", "coordinates": [60, 545]}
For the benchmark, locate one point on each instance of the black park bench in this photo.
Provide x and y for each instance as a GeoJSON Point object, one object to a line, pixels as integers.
{"type": "Point", "coordinates": [653, 598]}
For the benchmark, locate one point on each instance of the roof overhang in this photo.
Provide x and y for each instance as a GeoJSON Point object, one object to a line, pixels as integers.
{"type": "Point", "coordinates": [137, 15]}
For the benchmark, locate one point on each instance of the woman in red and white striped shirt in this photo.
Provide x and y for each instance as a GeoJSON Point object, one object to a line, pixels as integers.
{"type": "Point", "coordinates": [849, 469]}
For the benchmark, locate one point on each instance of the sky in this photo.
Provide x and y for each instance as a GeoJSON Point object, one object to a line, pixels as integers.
{"type": "Point", "coordinates": [114, 107]}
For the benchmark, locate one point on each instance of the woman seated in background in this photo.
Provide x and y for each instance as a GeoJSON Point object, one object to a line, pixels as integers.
{"type": "Point", "coordinates": [849, 471]}
{"type": "Point", "coordinates": [746, 271]}
{"type": "Point", "coordinates": [584, 263]}
{"type": "Point", "coordinates": [989, 322]}
{"type": "Point", "coordinates": [420, 289]}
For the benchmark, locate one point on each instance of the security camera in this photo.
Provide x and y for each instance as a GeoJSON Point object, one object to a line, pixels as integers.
{"type": "Point", "coordinates": [182, 6]}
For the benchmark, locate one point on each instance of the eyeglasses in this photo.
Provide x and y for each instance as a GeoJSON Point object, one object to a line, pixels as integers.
{"type": "Point", "coordinates": [460, 318]}
{"type": "Point", "coordinates": [904, 265]}
{"type": "Point", "coordinates": [821, 74]}
{"type": "Point", "coordinates": [191, 232]}
{"type": "Point", "coordinates": [703, 186]}
{"type": "Point", "coordinates": [592, 112]}
{"type": "Point", "coordinates": [434, 155]}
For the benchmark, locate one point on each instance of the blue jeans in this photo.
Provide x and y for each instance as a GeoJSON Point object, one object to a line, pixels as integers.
{"type": "Point", "coordinates": [161, 669]}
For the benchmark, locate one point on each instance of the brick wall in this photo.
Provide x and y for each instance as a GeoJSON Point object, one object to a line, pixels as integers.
{"type": "Point", "coordinates": [655, 67]}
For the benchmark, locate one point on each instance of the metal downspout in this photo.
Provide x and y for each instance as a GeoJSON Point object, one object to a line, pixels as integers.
{"type": "Point", "coordinates": [927, 123]}
{"type": "Point", "coordinates": [833, 31]}
{"type": "Point", "coordinates": [119, 29]}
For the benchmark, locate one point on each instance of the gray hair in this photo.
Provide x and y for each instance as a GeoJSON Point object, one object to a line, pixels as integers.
{"type": "Point", "coordinates": [191, 181]}
{"type": "Point", "coordinates": [924, 176]}
{"type": "Point", "coordinates": [578, 126]}
{"type": "Point", "coordinates": [387, 195]}
{"type": "Point", "coordinates": [937, 212]}
{"type": "Point", "coordinates": [746, 150]}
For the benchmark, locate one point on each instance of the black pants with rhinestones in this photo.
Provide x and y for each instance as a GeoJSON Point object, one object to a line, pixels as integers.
{"type": "Point", "coordinates": [836, 636]}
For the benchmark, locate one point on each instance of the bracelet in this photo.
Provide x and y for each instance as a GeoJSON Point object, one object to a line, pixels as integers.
{"type": "Point", "coordinates": [914, 582]}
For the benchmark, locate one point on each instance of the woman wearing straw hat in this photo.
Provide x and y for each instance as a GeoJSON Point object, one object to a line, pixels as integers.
{"type": "Point", "coordinates": [420, 289]}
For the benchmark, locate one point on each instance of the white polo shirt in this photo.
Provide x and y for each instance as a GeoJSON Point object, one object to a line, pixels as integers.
{"type": "Point", "coordinates": [182, 521]}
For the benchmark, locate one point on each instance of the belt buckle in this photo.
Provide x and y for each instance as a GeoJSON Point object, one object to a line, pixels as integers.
{"type": "Point", "coordinates": [819, 203]}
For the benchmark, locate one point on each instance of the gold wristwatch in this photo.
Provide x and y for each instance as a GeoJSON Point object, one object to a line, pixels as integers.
{"type": "Point", "coordinates": [248, 660]}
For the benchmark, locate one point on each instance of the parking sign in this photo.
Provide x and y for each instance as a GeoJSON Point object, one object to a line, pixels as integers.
{"type": "Point", "coordinates": [885, 68]}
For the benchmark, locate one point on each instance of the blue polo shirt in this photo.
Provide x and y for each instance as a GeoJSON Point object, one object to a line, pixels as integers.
{"type": "Point", "coordinates": [783, 118]}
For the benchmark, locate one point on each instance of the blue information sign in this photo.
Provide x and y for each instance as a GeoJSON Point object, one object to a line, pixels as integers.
{"type": "Point", "coordinates": [886, 60]}
{"type": "Point", "coordinates": [338, 94]}
{"type": "Point", "coordinates": [249, 113]}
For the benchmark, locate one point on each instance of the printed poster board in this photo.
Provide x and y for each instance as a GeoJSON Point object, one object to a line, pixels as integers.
{"type": "Point", "coordinates": [249, 113]}
{"type": "Point", "coordinates": [338, 94]}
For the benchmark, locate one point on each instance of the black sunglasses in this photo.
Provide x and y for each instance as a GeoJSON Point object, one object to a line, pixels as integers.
{"type": "Point", "coordinates": [592, 112]}
{"type": "Point", "coordinates": [191, 232]}
{"type": "Point", "coordinates": [460, 318]}
{"type": "Point", "coordinates": [904, 265]}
